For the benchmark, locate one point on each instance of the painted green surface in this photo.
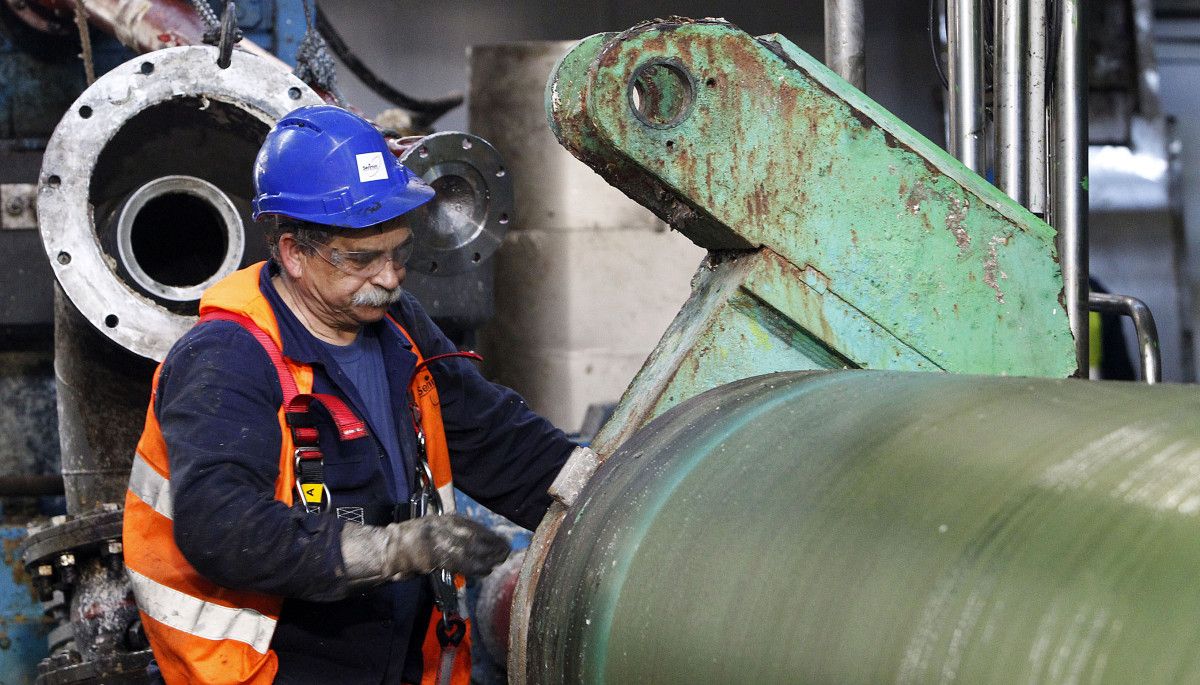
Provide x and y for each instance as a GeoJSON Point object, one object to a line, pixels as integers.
{"type": "Point", "coordinates": [752, 313]}
{"type": "Point", "coordinates": [882, 527]}
{"type": "Point", "coordinates": [743, 143]}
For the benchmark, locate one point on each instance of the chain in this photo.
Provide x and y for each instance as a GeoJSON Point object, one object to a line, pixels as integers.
{"type": "Point", "coordinates": [314, 64]}
{"type": "Point", "coordinates": [207, 15]}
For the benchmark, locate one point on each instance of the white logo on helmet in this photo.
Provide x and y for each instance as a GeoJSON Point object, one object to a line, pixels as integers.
{"type": "Point", "coordinates": [371, 166]}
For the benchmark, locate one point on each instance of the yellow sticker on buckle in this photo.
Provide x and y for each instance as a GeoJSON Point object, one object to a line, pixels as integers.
{"type": "Point", "coordinates": [313, 492]}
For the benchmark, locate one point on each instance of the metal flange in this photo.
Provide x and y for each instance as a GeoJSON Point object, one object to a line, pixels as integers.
{"type": "Point", "coordinates": [92, 278]}
{"type": "Point", "coordinates": [71, 535]}
{"type": "Point", "coordinates": [462, 227]}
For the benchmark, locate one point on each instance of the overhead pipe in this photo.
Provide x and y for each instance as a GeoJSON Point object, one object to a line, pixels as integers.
{"type": "Point", "coordinates": [845, 40]}
{"type": "Point", "coordinates": [1009, 77]}
{"type": "Point", "coordinates": [1070, 164]}
{"type": "Point", "coordinates": [966, 82]}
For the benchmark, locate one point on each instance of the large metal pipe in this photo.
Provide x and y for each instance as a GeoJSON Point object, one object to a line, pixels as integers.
{"type": "Point", "coordinates": [1009, 91]}
{"type": "Point", "coordinates": [883, 527]}
{"type": "Point", "coordinates": [966, 82]}
{"type": "Point", "coordinates": [1070, 168]}
{"type": "Point", "coordinates": [845, 40]}
{"type": "Point", "coordinates": [1036, 148]}
{"type": "Point", "coordinates": [102, 394]}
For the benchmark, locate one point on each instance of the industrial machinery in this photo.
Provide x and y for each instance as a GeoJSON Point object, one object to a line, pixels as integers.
{"type": "Point", "coordinates": [773, 500]}
{"type": "Point", "coordinates": [819, 523]}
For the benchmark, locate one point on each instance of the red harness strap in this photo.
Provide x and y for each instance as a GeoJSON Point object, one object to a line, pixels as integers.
{"type": "Point", "coordinates": [310, 463]}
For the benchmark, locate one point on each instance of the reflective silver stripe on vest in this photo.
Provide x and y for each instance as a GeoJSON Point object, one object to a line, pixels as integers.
{"type": "Point", "coordinates": [199, 618]}
{"type": "Point", "coordinates": [447, 493]}
{"type": "Point", "coordinates": [150, 487]}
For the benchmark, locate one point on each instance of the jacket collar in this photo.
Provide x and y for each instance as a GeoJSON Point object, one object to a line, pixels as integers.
{"type": "Point", "coordinates": [298, 343]}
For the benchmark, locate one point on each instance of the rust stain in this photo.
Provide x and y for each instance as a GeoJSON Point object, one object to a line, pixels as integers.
{"type": "Point", "coordinates": [914, 197]}
{"type": "Point", "coordinates": [608, 56]}
{"type": "Point", "coordinates": [991, 268]}
{"type": "Point", "coordinates": [954, 223]}
{"type": "Point", "coordinates": [758, 203]}
{"type": "Point", "coordinates": [865, 122]}
{"type": "Point", "coordinates": [788, 96]}
{"type": "Point", "coordinates": [20, 577]}
{"type": "Point", "coordinates": [854, 237]}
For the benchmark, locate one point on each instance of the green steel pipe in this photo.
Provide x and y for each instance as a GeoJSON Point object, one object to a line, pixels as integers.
{"type": "Point", "coordinates": [884, 527]}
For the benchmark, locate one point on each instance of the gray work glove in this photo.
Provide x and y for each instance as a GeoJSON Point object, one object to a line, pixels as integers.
{"type": "Point", "coordinates": [375, 554]}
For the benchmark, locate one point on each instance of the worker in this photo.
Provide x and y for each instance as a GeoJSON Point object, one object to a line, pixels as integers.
{"type": "Point", "coordinates": [282, 521]}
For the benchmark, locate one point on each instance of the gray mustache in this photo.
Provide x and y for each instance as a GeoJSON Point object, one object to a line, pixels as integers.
{"type": "Point", "coordinates": [376, 296]}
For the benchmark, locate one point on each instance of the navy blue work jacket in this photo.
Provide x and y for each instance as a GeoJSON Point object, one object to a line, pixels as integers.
{"type": "Point", "coordinates": [217, 402]}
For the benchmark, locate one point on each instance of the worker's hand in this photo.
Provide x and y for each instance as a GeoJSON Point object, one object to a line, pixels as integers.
{"type": "Point", "coordinates": [373, 555]}
{"type": "Point", "coordinates": [454, 543]}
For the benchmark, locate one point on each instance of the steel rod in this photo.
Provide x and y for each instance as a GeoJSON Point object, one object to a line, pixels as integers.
{"type": "Point", "coordinates": [1010, 31]}
{"type": "Point", "coordinates": [1143, 325]}
{"type": "Point", "coordinates": [845, 42]}
{"type": "Point", "coordinates": [966, 82]}
{"type": "Point", "coordinates": [1036, 197]}
{"type": "Point", "coordinates": [1070, 172]}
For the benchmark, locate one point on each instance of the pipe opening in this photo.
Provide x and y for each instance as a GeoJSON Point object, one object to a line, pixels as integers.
{"type": "Point", "coordinates": [177, 235]}
{"type": "Point", "coordinates": [156, 247]}
{"type": "Point", "coordinates": [171, 191]}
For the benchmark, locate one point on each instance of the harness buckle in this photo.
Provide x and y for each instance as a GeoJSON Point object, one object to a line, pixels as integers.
{"type": "Point", "coordinates": [315, 496]}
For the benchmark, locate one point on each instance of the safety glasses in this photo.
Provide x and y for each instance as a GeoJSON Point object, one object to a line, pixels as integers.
{"type": "Point", "coordinates": [362, 263]}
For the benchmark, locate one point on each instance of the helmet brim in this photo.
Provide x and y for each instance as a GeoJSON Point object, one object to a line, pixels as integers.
{"type": "Point", "coordinates": [366, 213]}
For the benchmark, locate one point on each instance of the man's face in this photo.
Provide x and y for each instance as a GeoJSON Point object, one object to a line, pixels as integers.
{"type": "Point", "coordinates": [339, 275]}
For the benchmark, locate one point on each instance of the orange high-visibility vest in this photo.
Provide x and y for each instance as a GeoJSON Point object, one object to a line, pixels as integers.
{"type": "Point", "coordinates": [204, 633]}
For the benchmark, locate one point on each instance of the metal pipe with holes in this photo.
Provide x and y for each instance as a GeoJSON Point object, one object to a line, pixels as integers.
{"type": "Point", "coordinates": [1010, 97]}
{"type": "Point", "coordinates": [1143, 325]}
{"type": "Point", "coordinates": [845, 40]}
{"type": "Point", "coordinates": [1070, 164]}
{"type": "Point", "coordinates": [966, 81]}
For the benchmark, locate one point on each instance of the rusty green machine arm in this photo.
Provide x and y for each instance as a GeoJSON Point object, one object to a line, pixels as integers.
{"type": "Point", "coordinates": [844, 238]}
{"type": "Point", "coordinates": [839, 237]}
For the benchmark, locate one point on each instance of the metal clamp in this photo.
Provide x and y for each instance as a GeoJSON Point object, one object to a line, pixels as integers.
{"type": "Point", "coordinates": [1143, 324]}
{"type": "Point", "coordinates": [425, 499]}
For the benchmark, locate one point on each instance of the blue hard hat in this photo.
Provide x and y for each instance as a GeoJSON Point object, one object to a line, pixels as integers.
{"type": "Point", "coordinates": [329, 166]}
